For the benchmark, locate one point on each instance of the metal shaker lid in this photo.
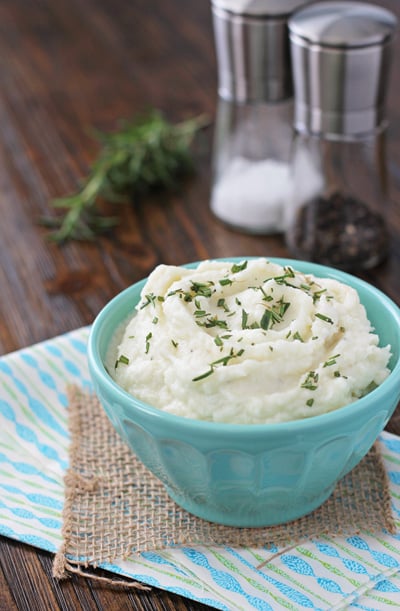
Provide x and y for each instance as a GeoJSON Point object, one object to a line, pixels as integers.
{"type": "Point", "coordinates": [341, 54]}
{"type": "Point", "coordinates": [267, 8]}
{"type": "Point", "coordinates": [252, 46]}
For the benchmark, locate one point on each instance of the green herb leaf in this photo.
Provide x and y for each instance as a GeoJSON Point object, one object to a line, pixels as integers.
{"type": "Point", "coordinates": [222, 304]}
{"type": "Point", "coordinates": [148, 338]}
{"type": "Point", "coordinates": [324, 318]}
{"type": "Point", "coordinates": [122, 359]}
{"type": "Point", "coordinates": [311, 381]}
{"type": "Point", "coordinates": [203, 375]}
{"type": "Point", "coordinates": [150, 298]}
{"type": "Point", "coordinates": [238, 267]}
{"type": "Point", "coordinates": [225, 281]}
{"type": "Point", "coordinates": [202, 288]}
{"type": "Point", "coordinates": [331, 360]}
{"type": "Point", "coordinates": [266, 320]}
{"type": "Point", "coordinates": [146, 154]}
{"type": "Point", "coordinates": [224, 360]}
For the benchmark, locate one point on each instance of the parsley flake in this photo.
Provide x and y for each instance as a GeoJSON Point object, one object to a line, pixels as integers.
{"type": "Point", "coordinates": [150, 298]}
{"type": "Point", "coordinates": [225, 281]}
{"type": "Point", "coordinates": [122, 359]}
{"type": "Point", "coordinates": [148, 338]}
{"type": "Point", "coordinates": [311, 381]}
{"type": "Point", "coordinates": [238, 267]}
{"type": "Point", "coordinates": [331, 360]}
{"type": "Point", "coordinates": [324, 318]}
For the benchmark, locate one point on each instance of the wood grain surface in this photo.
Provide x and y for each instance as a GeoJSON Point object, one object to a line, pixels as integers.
{"type": "Point", "coordinates": [67, 66]}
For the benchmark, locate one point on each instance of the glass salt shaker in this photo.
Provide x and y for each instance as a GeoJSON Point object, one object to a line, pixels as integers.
{"type": "Point", "coordinates": [253, 129]}
{"type": "Point", "coordinates": [341, 55]}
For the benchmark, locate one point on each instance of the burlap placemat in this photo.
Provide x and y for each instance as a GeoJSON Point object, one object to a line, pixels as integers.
{"type": "Point", "coordinates": [115, 507]}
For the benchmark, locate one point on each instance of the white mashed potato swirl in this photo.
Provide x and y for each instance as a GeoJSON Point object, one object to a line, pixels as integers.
{"type": "Point", "coordinates": [249, 342]}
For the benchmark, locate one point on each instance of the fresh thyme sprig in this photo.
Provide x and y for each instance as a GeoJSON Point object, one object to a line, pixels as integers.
{"type": "Point", "coordinates": [146, 154]}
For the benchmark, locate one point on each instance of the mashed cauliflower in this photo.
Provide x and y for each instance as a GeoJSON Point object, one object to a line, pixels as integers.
{"type": "Point", "coordinates": [249, 342]}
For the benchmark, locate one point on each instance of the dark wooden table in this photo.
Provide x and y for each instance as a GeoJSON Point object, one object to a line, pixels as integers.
{"type": "Point", "coordinates": [65, 66]}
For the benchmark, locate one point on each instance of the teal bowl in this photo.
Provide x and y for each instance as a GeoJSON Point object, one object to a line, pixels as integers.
{"type": "Point", "coordinates": [250, 475]}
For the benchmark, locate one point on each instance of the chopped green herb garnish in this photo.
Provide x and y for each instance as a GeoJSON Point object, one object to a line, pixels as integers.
{"type": "Point", "coordinates": [150, 298]}
{"type": "Point", "coordinates": [155, 320]}
{"type": "Point", "coordinates": [122, 359]}
{"type": "Point", "coordinates": [310, 402]}
{"type": "Point", "coordinates": [324, 318]}
{"type": "Point", "coordinates": [203, 375]}
{"type": "Point", "coordinates": [274, 315]}
{"type": "Point", "coordinates": [218, 341]}
{"type": "Point", "coordinates": [224, 360]}
{"type": "Point", "coordinates": [174, 343]}
{"type": "Point", "coordinates": [265, 296]}
{"type": "Point", "coordinates": [317, 294]}
{"type": "Point", "coordinates": [225, 281]}
{"type": "Point", "coordinates": [282, 307]}
{"type": "Point", "coordinates": [202, 288]}
{"type": "Point", "coordinates": [331, 360]}
{"type": "Point", "coordinates": [212, 322]}
{"type": "Point", "coordinates": [266, 319]}
{"type": "Point", "coordinates": [298, 337]}
{"type": "Point", "coordinates": [148, 338]}
{"type": "Point", "coordinates": [245, 317]}
{"type": "Point", "coordinates": [311, 381]}
{"type": "Point", "coordinates": [289, 271]}
{"type": "Point", "coordinates": [181, 293]}
{"type": "Point", "coordinates": [221, 303]}
{"type": "Point", "coordinates": [238, 267]}
{"type": "Point", "coordinates": [200, 313]}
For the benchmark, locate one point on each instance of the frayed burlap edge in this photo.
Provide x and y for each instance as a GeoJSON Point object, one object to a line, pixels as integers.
{"type": "Point", "coordinates": [65, 566]}
{"type": "Point", "coordinates": [114, 507]}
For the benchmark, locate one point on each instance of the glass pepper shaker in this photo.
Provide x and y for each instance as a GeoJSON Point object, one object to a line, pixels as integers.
{"type": "Point", "coordinates": [341, 55]}
{"type": "Point", "coordinates": [253, 129]}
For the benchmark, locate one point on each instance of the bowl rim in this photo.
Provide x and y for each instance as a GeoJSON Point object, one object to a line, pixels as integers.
{"type": "Point", "coordinates": [99, 373]}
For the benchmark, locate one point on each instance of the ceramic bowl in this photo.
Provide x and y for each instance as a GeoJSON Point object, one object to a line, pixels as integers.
{"type": "Point", "coordinates": [250, 475]}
